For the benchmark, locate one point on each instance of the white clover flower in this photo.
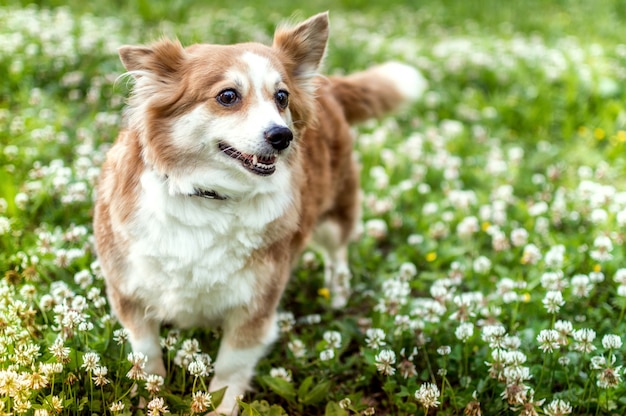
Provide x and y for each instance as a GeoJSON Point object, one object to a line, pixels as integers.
{"type": "Point", "coordinates": [598, 362]}
{"type": "Point", "coordinates": [138, 361]}
{"type": "Point", "coordinates": [333, 339]}
{"type": "Point", "coordinates": [553, 301]}
{"type": "Point", "coordinates": [83, 279]}
{"type": "Point", "coordinates": [285, 321]}
{"type": "Point", "coordinates": [555, 256]}
{"type": "Point", "coordinates": [514, 358]}
{"type": "Point", "coordinates": [297, 348]}
{"type": "Point", "coordinates": [481, 265]}
{"type": "Point", "coordinates": [581, 286]}
{"type": "Point", "coordinates": [609, 377]}
{"type": "Point", "coordinates": [385, 360]}
{"type": "Point", "coordinates": [201, 401]}
{"type": "Point", "coordinates": [584, 338]}
{"type": "Point", "coordinates": [611, 342]}
{"type": "Point", "coordinates": [519, 237]}
{"type": "Point", "coordinates": [154, 382]}
{"type": "Point", "coordinates": [407, 271]}
{"type": "Point", "coordinates": [602, 249]}
{"type": "Point", "coordinates": [494, 335]}
{"type": "Point", "coordinates": [197, 368]}
{"type": "Point", "coordinates": [444, 350]}
{"type": "Point", "coordinates": [564, 328]}
{"type": "Point", "coordinates": [375, 338]}
{"type": "Point", "coordinates": [511, 342]}
{"type": "Point", "coordinates": [516, 374]}
{"type": "Point", "coordinates": [596, 277]}
{"type": "Point", "coordinates": [464, 331]}
{"type": "Point", "coordinates": [598, 216]}
{"type": "Point", "coordinates": [548, 340]}
{"type": "Point", "coordinates": [396, 291]}
{"type": "Point", "coordinates": [90, 361]}
{"type": "Point", "coordinates": [376, 228]}
{"type": "Point", "coordinates": [327, 355]}
{"type": "Point", "coordinates": [554, 280]}
{"type": "Point", "coordinates": [558, 407]}
{"type": "Point", "coordinates": [531, 254]}
{"type": "Point", "coordinates": [21, 200]}
{"type": "Point", "coordinates": [538, 208]}
{"type": "Point", "coordinates": [280, 372]}
{"type": "Point", "coordinates": [157, 407]}
{"type": "Point", "coordinates": [467, 227]}
{"type": "Point", "coordinates": [620, 276]}
{"type": "Point", "coordinates": [5, 225]}
{"type": "Point", "coordinates": [428, 395]}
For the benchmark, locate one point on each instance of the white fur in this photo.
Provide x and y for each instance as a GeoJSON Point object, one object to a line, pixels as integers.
{"type": "Point", "coordinates": [408, 80]}
{"type": "Point", "coordinates": [235, 366]}
{"type": "Point", "coordinates": [180, 243]}
{"type": "Point", "coordinates": [327, 237]}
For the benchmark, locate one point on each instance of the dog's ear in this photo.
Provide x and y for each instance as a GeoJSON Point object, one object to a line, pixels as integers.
{"type": "Point", "coordinates": [162, 59]}
{"type": "Point", "coordinates": [303, 46]}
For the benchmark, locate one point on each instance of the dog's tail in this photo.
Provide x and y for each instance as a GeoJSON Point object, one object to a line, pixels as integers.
{"type": "Point", "coordinates": [377, 90]}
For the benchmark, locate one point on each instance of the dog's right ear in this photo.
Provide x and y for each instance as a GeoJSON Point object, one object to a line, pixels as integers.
{"type": "Point", "coordinates": [162, 59]}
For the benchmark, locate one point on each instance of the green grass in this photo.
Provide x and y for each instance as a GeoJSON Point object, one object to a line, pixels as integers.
{"type": "Point", "coordinates": [523, 129]}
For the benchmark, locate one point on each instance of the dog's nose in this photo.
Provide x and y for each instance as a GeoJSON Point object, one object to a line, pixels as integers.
{"type": "Point", "coordinates": [279, 137]}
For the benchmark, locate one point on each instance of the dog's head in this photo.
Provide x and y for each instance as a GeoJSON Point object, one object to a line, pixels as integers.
{"type": "Point", "coordinates": [223, 117]}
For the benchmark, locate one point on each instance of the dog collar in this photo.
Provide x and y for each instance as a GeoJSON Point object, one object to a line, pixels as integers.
{"type": "Point", "coordinates": [202, 193]}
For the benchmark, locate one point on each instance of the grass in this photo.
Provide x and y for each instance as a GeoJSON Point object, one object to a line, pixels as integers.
{"type": "Point", "coordinates": [490, 274]}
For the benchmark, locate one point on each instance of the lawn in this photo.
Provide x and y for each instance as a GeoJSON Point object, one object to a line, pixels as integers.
{"type": "Point", "coordinates": [490, 269]}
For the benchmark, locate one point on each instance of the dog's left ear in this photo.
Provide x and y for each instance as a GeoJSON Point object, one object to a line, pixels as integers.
{"type": "Point", "coordinates": [303, 46]}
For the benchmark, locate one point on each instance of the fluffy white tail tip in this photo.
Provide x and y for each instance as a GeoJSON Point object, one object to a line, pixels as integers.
{"type": "Point", "coordinates": [407, 79]}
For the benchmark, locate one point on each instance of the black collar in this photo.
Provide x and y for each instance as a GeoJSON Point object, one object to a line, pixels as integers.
{"type": "Point", "coordinates": [203, 193]}
{"type": "Point", "coordinates": [208, 194]}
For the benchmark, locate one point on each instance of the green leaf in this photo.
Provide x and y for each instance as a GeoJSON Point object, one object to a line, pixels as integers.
{"type": "Point", "coordinates": [281, 387]}
{"type": "Point", "coordinates": [248, 410]}
{"type": "Point", "coordinates": [317, 393]}
{"type": "Point", "coordinates": [217, 396]}
{"type": "Point", "coordinates": [333, 409]}
{"type": "Point", "coordinates": [304, 387]}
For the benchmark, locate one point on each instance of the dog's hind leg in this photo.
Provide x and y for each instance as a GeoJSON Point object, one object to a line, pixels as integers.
{"type": "Point", "coordinates": [328, 238]}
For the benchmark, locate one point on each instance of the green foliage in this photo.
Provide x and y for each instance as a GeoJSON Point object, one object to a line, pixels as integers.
{"type": "Point", "coordinates": [502, 189]}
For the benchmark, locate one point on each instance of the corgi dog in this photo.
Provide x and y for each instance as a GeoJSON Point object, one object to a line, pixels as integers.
{"type": "Point", "coordinates": [233, 158]}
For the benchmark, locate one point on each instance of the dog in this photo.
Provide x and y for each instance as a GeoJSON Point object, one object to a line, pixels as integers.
{"type": "Point", "coordinates": [232, 159]}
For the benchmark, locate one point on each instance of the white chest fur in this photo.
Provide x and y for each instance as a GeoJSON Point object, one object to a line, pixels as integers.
{"type": "Point", "coordinates": [189, 255]}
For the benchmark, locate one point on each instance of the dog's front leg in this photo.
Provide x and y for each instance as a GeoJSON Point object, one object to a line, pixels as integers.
{"type": "Point", "coordinates": [247, 335]}
{"type": "Point", "coordinates": [143, 331]}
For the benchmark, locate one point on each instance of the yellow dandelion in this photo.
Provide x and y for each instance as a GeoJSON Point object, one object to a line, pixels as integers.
{"type": "Point", "coordinates": [597, 268]}
{"type": "Point", "coordinates": [526, 297]}
{"type": "Point", "coordinates": [432, 256]}
{"type": "Point", "coordinates": [599, 133]}
{"type": "Point", "coordinates": [324, 292]}
{"type": "Point", "coordinates": [485, 225]}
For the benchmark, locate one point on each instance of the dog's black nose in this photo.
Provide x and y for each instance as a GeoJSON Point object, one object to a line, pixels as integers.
{"type": "Point", "coordinates": [279, 137]}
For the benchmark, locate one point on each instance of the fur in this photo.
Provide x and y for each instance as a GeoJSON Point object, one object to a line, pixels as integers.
{"type": "Point", "coordinates": [199, 218]}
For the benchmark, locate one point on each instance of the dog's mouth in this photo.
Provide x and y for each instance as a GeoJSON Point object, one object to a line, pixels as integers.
{"type": "Point", "coordinates": [262, 165]}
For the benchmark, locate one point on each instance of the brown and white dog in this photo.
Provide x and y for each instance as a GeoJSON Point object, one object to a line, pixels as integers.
{"type": "Point", "coordinates": [233, 158]}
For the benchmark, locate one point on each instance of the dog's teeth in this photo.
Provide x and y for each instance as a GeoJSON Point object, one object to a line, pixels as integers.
{"type": "Point", "coordinates": [255, 160]}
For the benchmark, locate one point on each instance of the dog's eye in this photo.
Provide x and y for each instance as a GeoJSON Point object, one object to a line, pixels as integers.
{"type": "Point", "coordinates": [282, 99]}
{"type": "Point", "coordinates": [228, 98]}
